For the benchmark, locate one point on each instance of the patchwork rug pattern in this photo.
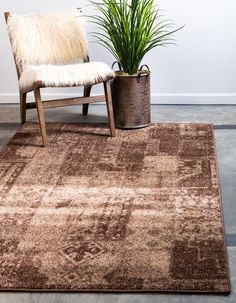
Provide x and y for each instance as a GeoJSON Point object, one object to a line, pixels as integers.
{"type": "Point", "coordinates": [139, 212]}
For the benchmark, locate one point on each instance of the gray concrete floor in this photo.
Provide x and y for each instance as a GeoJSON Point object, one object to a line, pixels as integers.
{"type": "Point", "coordinates": [224, 120]}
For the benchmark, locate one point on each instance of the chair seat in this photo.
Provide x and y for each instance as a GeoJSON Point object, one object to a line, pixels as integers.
{"type": "Point", "coordinates": [65, 75]}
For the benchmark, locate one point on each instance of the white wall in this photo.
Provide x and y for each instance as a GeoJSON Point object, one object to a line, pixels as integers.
{"type": "Point", "coordinates": [201, 69]}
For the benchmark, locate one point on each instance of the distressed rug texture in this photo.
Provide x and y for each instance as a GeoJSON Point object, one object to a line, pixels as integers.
{"type": "Point", "coordinates": [139, 212]}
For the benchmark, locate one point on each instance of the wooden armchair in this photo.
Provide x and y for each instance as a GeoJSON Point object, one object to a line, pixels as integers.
{"type": "Point", "coordinates": [45, 49]}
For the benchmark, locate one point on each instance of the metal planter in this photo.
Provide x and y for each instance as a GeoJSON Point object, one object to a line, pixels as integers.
{"type": "Point", "coordinates": [131, 100]}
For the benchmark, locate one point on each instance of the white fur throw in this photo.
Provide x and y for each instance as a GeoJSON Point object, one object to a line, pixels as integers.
{"type": "Point", "coordinates": [66, 75]}
{"type": "Point", "coordinates": [52, 38]}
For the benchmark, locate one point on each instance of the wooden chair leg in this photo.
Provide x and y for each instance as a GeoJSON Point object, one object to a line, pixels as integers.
{"type": "Point", "coordinates": [41, 115]}
{"type": "Point", "coordinates": [23, 107]}
{"type": "Point", "coordinates": [87, 91]}
{"type": "Point", "coordinates": [107, 89]}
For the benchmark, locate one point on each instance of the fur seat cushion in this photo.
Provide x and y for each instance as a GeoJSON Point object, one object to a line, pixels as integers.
{"type": "Point", "coordinates": [65, 75]}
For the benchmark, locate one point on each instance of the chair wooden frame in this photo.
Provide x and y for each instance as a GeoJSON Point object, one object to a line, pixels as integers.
{"type": "Point", "coordinates": [41, 105]}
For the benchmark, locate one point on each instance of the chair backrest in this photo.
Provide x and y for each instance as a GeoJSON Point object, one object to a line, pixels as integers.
{"type": "Point", "coordinates": [52, 38]}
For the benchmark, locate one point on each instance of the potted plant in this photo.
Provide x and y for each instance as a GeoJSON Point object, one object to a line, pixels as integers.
{"type": "Point", "coordinates": [129, 30]}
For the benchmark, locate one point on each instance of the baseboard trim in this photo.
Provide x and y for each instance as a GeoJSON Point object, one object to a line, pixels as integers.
{"type": "Point", "coordinates": [197, 98]}
{"type": "Point", "coordinates": [171, 99]}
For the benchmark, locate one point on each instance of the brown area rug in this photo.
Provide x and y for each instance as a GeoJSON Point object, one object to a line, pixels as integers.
{"type": "Point", "coordinates": [139, 212]}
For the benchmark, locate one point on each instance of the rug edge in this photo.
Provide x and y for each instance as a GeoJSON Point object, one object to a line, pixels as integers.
{"type": "Point", "coordinates": [222, 210]}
